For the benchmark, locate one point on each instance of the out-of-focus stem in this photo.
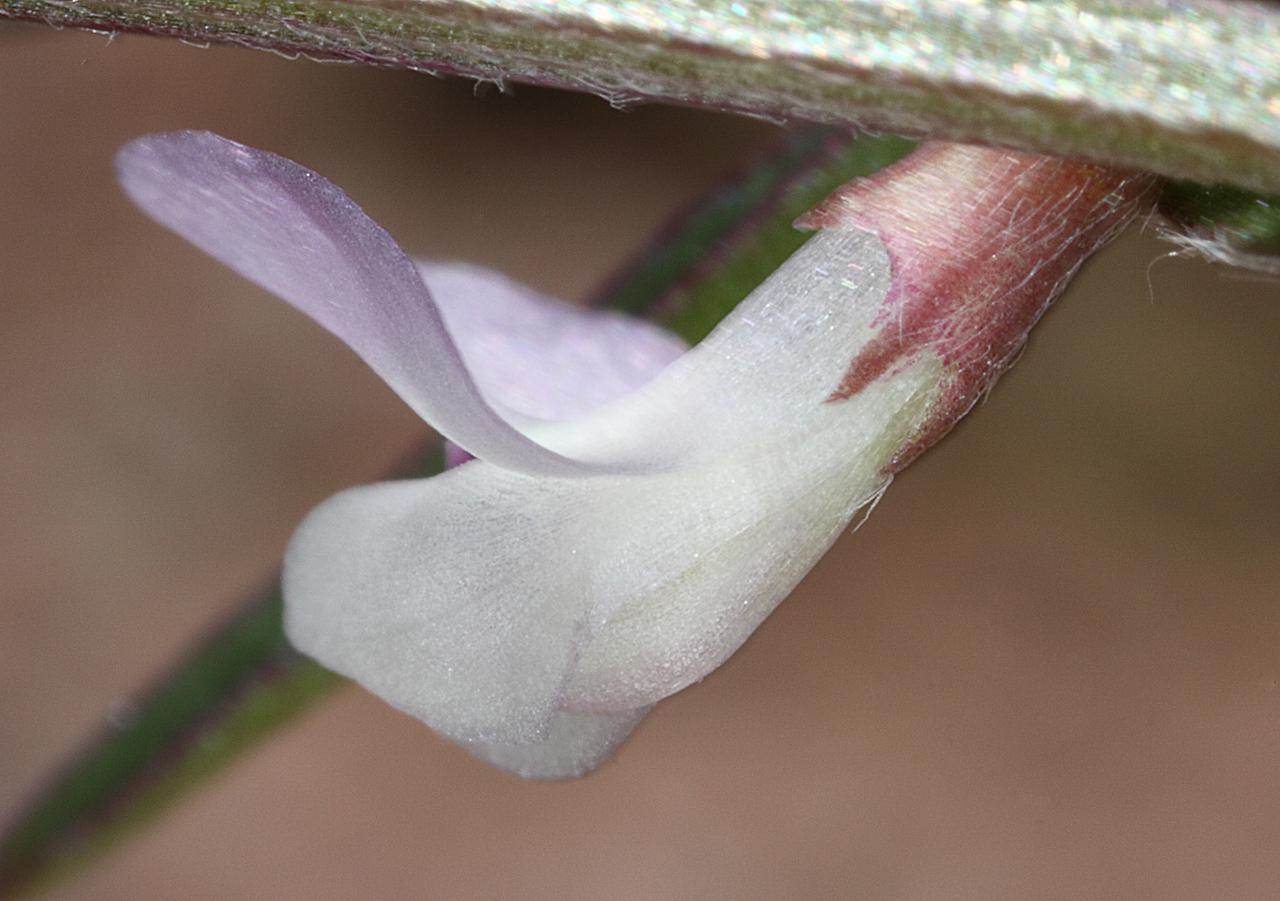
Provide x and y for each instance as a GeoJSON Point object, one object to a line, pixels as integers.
{"type": "Point", "coordinates": [1187, 88]}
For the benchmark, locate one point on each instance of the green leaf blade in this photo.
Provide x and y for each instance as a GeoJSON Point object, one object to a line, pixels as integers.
{"type": "Point", "coordinates": [1188, 89]}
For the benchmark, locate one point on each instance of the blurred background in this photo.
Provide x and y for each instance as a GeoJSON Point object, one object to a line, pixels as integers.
{"type": "Point", "coordinates": [1047, 667]}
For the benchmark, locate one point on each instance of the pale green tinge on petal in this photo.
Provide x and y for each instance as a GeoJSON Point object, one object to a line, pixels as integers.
{"type": "Point", "coordinates": [762, 520]}
{"type": "Point", "coordinates": [491, 603]}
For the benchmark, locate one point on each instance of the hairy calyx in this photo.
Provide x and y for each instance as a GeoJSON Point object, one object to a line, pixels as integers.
{"type": "Point", "coordinates": [981, 242]}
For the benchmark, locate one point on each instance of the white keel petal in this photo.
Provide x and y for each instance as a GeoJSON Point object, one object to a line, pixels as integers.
{"type": "Point", "coordinates": [405, 587]}
{"type": "Point", "coordinates": [742, 535]}
{"type": "Point", "coordinates": [576, 744]}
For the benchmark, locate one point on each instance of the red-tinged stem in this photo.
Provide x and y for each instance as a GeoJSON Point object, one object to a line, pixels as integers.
{"type": "Point", "coordinates": [981, 242]}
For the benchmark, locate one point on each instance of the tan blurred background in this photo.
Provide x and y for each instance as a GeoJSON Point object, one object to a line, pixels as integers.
{"type": "Point", "coordinates": [1048, 667]}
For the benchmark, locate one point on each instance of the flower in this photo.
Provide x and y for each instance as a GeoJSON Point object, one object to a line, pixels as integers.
{"type": "Point", "coordinates": [607, 550]}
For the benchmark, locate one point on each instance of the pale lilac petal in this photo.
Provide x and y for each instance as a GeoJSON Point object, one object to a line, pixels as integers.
{"type": "Point", "coordinates": [300, 237]}
{"type": "Point", "coordinates": [537, 357]}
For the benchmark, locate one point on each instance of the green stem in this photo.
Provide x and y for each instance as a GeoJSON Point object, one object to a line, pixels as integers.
{"type": "Point", "coordinates": [241, 682]}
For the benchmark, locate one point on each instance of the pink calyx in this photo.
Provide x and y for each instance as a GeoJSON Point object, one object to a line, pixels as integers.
{"type": "Point", "coordinates": [981, 241]}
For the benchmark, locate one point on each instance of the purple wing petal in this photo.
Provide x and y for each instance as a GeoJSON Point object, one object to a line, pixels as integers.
{"type": "Point", "coordinates": [299, 236]}
{"type": "Point", "coordinates": [538, 357]}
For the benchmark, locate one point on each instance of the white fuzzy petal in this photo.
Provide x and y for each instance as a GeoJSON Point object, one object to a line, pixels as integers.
{"type": "Point", "coordinates": [576, 744]}
{"type": "Point", "coordinates": [740, 535]}
{"type": "Point", "coordinates": [446, 597]}
{"type": "Point", "coordinates": [765, 370]}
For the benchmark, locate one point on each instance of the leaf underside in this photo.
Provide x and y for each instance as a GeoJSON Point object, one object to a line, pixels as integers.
{"type": "Point", "coordinates": [1188, 89]}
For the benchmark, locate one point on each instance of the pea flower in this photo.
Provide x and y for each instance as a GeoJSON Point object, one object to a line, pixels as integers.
{"type": "Point", "coordinates": [630, 517]}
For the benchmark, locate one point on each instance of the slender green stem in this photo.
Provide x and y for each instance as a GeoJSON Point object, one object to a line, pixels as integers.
{"type": "Point", "coordinates": [237, 685]}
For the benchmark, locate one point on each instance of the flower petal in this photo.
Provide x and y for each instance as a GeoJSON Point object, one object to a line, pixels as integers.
{"type": "Point", "coordinates": [759, 522]}
{"type": "Point", "coordinates": [764, 371]}
{"type": "Point", "coordinates": [299, 236]}
{"type": "Point", "coordinates": [535, 357]}
{"type": "Point", "coordinates": [468, 599]}
{"type": "Point", "coordinates": [404, 587]}
{"type": "Point", "coordinates": [576, 744]}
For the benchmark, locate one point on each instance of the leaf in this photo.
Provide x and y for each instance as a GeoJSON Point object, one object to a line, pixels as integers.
{"type": "Point", "coordinates": [244, 680]}
{"type": "Point", "coordinates": [1188, 89]}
